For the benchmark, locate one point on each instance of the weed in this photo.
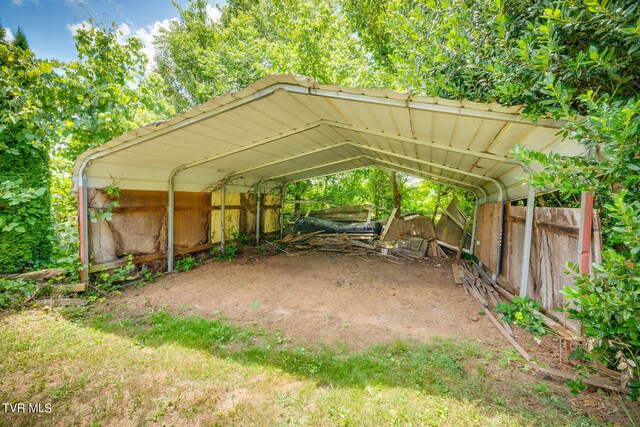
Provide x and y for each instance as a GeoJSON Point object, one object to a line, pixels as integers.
{"type": "Point", "coordinates": [522, 312]}
{"type": "Point", "coordinates": [186, 264]}
{"type": "Point", "coordinates": [14, 292]}
{"type": "Point", "coordinates": [228, 253]}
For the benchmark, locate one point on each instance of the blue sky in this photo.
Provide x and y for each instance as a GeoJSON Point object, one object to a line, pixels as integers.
{"type": "Point", "coordinates": [48, 24]}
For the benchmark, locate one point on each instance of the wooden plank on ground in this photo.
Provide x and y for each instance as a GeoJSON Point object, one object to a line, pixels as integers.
{"type": "Point", "coordinates": [76, 287]}
{"type": "Point", "coordinates": [457, 274]}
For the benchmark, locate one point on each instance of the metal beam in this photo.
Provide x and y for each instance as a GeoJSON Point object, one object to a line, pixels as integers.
{"type": "Point", "coordinates": [223, 221]}
{"type": "Point", "coordinates": [170, 224]}
{"type": "Point", "coordinates": [83, 224]}
{"type": "Point", "coordinates": [287, 159]}
{"type": "Point", "coordinates": [438, 108]}
{"type": "Point", "coordinates": [413, 159]}
{"type": "Point", "coordinates": [245, 147]}
{"type": "Point", "coordinates": [473, 227]}
{"type": "Point", "coordinates": [438, 178]}
{"type": "Point", "coordinates": [258, 197]}
{"type": "Point", "coordinates": [315, 167]}
{"type": "Point", "coordinates": [528, 232]}
{"type": "Point", "coordinates": [283, 194]}
{"type": "Point", "coordinates": [423, 143]}
{"type": "Point", "coordinates": [367, 148]}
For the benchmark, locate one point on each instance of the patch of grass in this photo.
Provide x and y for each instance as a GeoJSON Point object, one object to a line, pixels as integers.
{"type": "Point", "coordinates": [110, 367]}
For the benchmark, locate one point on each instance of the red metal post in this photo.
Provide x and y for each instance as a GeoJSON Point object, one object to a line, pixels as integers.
{"type": "Point", "coordinates": [586, 225]}
{"type": "Point", "coordinates": [81, 231]}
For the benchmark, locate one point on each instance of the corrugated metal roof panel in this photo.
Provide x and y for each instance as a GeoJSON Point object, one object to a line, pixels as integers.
{"type": "Point", "coordinates": [286, 127]}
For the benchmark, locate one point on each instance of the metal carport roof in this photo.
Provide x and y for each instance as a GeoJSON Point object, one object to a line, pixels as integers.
{"type": "Point", "coordinates": [285, 128]}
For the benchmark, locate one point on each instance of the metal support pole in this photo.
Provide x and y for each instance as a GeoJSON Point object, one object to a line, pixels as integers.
{"type": "Point", "coordinates": [473, 227]}
{"type": "Point", "coordinates": [83, 224]}
{"type": "Point", "coordinates": [258, 197]}
{"type": "Point", "coordinates": [584, 236]}
{"type": "Point", "coordinates": [170, 222]}
{"type": "Point", "coordinates": [283, 193]}
{"type": "Point", "coordinates": [528, 233]}
{"type": "Point", "coordinates": [223, 221]}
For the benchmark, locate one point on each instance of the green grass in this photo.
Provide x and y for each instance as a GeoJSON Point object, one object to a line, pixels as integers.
{"type": "Point", "coordinates": [105, 368]}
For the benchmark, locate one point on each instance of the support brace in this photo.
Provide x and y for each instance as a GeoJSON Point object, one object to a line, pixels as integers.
{"type": "Point", "coordinates": [528, 233]}
{"type": "Point", "coordinates": [584, 237]}
{"type": "Point", "coordinates": [83, 222]}
{"type": "Point", "coordinates": [170, 224]}
{"type": "Point", "coordinates": [473, 227]}
{"type": "Point", "coordinates": [223, 221]}
{"type": "Point", "coordinates": [258, 197]}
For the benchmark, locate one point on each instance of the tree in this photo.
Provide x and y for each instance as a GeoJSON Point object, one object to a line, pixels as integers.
{"type": "Point", "coordinates": [199, 58]}
{"type": "Point", "coordinates": [20, 40]}
{"type": "Point", "coordinates": [55, 110]}
{"type": "Point", "coordinates": [25, 140]}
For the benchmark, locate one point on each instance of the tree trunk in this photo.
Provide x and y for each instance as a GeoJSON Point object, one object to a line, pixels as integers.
{"type": "Point", "coordinates": [397, 197]}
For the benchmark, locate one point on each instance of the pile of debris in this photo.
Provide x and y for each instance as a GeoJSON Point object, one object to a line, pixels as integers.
{"type": "Point", "coordinates": [489, 292]}
{"type": "Point", "coordinates": [321, 241]}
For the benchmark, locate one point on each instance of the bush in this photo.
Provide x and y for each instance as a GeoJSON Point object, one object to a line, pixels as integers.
{"type": "Point", "coordinates": [608, 305]}
{"type": "Point", "coordinates": [522, 312]}
{"type": "Point", "coordinates": [186, 264]}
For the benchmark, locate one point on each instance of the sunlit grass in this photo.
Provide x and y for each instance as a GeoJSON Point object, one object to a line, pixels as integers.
{"type": "Point", "coordinates": [110, 369]}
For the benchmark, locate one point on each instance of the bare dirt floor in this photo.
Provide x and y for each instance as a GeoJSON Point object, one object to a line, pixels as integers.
{"type": "Point", "coordinates": [315, 297]}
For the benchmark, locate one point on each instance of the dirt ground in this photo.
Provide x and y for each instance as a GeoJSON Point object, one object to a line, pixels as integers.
{"type": "Point", "coordinates": [333, 298]}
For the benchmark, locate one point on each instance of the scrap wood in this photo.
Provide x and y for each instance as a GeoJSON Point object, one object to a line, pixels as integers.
{"type": "Point", "coordinates": [385, 230]}
{"type": "Point", "coordinates": [277, 247]}
{"type": "Point", "coordinates": [38, 275]}
{"type": "Point", "coordinates": [457, 273]}
{"type": "Point", "coordinates": [593, 380]}
{"type": "Point", "coordinates": [303, 237]}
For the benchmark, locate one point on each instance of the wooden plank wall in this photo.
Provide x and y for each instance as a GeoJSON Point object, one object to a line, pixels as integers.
{"type": "Point", "coordinates": [139, 223]}
{"type": "Point", "coordinates": [487, 245]}
{"type": "Point", "coordinates": [554, 243]}
{"type": "Point", "coordinates": [240, 215]}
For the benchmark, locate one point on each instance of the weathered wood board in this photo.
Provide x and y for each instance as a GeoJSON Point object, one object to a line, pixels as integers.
{"type": "Point", "coordinates": [232, 216]}
{"type": "Point", "coordinates": [270, 216]}
{"type": "Point", "coordinates": [421, 226]}
{"type": "Point", "coordinates": [487, 244]}
{"type": "Point", "coordinates": [447, 230]}
{"type": "Point", "coordinates": [138, 230]}
{"type": "Point", "coordinates": [554, 243]}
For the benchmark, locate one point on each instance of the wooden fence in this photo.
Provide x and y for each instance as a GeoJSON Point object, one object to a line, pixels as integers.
{"type": "Point", "coordinates": [554, 244]}
{"type": "Point", "coordinates": [139, 224]}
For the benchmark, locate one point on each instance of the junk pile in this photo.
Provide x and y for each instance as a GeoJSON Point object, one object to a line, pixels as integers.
{"type": "Point", "coordinates": [489, 292]}
{"type": "Point", "coordinates": [413, 236]}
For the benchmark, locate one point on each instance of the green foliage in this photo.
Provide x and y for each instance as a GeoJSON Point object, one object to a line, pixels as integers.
{"type": "Point", "coordinates": [105, 212]}
{"type": "Point", "coordinates": [199, 58]}
{"type": "Point", "coordinates": [186, 264]}
{"type": "Point", "coordinates": [25, 219]}
{"type": "Point", "coordinates": [14, 292]}
{"type": "Point", "coordinates": [20, 40]}
{"type": "Point", "coordinates": [112, 281]}
{"type": "Point", "coordinates": [227, 253]}
{"type": "Point", "coordinates": [522, 312]}
{"type": "Point", "coordinates": [608, 305]}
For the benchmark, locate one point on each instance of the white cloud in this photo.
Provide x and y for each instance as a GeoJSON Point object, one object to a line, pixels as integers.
{"type": "Point", "coordinates": [21, 2]}
{"type": "Point", "coordinates": [213, 13]}
{"type": "Point", "coordinates": [8, 35]}
{"type": "Point", "coordinates": [73, 28]}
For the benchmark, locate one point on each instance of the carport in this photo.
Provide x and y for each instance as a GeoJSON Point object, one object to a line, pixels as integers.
{"type": "Point", "coordinates": [285, 128]}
